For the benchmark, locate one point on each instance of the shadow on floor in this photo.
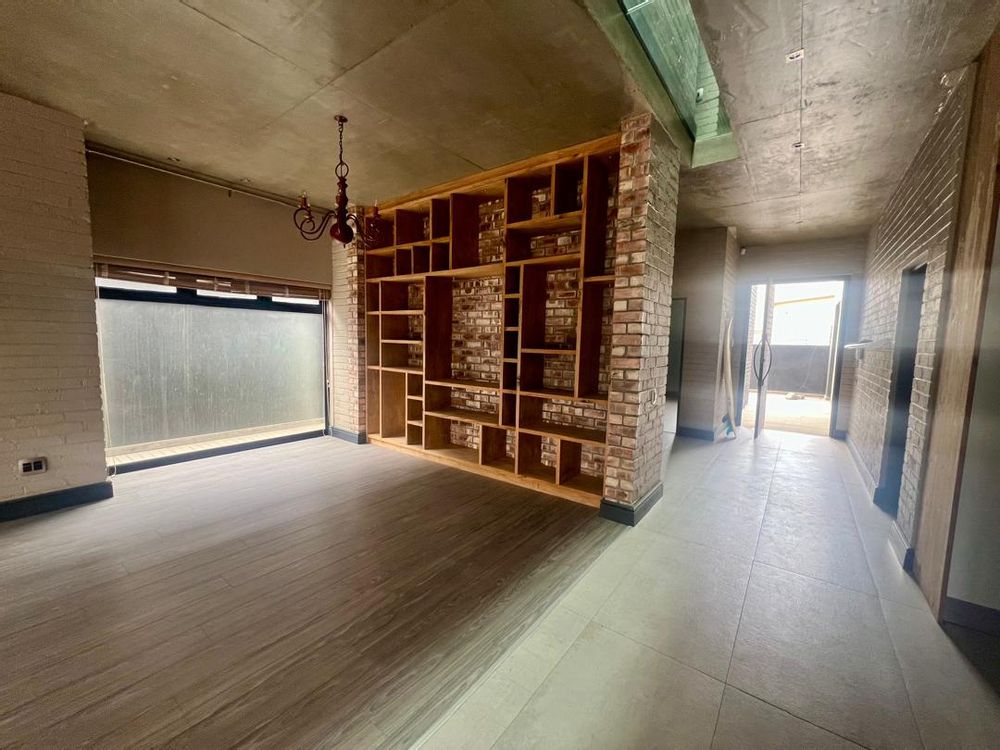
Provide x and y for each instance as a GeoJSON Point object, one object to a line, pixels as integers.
{"type": "Point", "coordinates": [981, 649]}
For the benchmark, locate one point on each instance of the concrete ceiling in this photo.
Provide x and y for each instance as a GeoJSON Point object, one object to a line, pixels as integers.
{"type": "Point", "coordinates": [247, 90]}
{"type": "Point", "coordinates": [860, 103]}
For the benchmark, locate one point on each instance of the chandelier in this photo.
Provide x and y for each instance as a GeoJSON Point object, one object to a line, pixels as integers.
{"type": "Point", "coordinates": [366, 230]}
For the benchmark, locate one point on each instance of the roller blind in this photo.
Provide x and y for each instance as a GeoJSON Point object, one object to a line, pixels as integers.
{"type": "Point", "coordinates": [186, 280]}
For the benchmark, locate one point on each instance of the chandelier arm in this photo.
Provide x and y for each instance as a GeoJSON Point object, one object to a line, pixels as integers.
{"type": "Point", "coordinates": [306, 223]}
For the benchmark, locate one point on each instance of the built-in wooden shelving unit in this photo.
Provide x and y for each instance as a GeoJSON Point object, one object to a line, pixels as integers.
{"type": "Point", "coordinates": [489, 320]}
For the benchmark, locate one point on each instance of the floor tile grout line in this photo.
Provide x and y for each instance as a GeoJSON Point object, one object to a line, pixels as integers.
{"type": "Point", "coordinates": [881, 607]}
{"type": "Point", "coordinates": [795, 715]}
{"type": "Point", "coordinates": [656, 650]}
{"type": "Point", "coordinates": [716, 550]}
{"type": "Point", "coordinates": [495, 667]}
{"type": "Point", "coordinates": [902, 675]}
{"type": "Point", "coordinates": [746, 591]}
{"type": "Point", "coordinates": [888, 630]}
{"type": "Point", "coordinates": [544, 680]}
{"type": "Point", "coordinates": [587, 621]}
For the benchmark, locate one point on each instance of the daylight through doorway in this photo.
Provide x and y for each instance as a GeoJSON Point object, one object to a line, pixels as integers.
{"type": "Point", "coordinates": [791, 358]}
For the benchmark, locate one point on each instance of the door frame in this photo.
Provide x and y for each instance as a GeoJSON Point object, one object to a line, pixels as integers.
{"type": "Point", "coordinates": [850, 298]}
{"type": "Point", "coordinates": [909, 311]}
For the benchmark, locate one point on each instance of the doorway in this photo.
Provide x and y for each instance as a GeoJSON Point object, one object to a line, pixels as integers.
{"type": "Point", "coordinates": [675, 358]}
{"type": "Point", "coordinates": [911, 300]}
{"type": "Point", "coordinates": [792, 356]}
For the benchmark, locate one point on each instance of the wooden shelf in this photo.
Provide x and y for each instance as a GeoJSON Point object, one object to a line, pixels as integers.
{"type": "Point", "coordinates": [469, 272]}
{"type": "Point", "coordinates": [540, 471]}
{"type": "Point", "coordinates": [554, 429]}
{"type": "Point", "coordinates": [551, 351]}
{"type": "Point", "coordinates": [465, 415]}
{"type": "Point", "coordinates": [566, 222]}
{"type": "Point", "coordinates": [585, 483]}
{"type": "Point", "coordinates": [506, 463]}
{"type": "Point", "coordinates": [400, 385]}
{"type": "Point", "coordinates": [564, 260]}
{"type": "Point", "coordinates": [457, 452]}
{"type": "Point", "coordinates": [548, 393]}
{"type": "Point", "coordinates": [469, 385]}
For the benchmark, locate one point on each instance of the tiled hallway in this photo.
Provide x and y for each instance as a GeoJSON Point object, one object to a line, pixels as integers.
{"type": "Point", "coordinates": [757, 605]}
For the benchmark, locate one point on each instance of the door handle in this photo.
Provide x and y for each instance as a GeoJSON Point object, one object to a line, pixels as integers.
{"type": "Point", "coordinates": [770, 359]}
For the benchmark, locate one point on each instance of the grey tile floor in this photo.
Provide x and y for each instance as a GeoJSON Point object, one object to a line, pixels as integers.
{"type": "Point", "coordinates": [758, 605]}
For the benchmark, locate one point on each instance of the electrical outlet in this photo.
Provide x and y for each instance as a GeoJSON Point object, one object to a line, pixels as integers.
{"type": "Point", "coordinates": [33, 465]}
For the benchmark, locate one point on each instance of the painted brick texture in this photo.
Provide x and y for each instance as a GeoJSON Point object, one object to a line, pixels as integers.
{"type": "Point", "coordinates": [644, 262]}
{"type": "Point", "coordinates": [916, 227]}
{"type": "Point", "coordinates": [348, 397]}
{"type": "Point", "coordinates": [50, 388]}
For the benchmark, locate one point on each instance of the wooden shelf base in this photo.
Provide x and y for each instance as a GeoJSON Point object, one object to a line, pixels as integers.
{"type": "Point", "coordinates": [461, 460]}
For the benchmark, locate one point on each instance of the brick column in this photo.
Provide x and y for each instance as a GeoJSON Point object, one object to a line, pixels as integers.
{"type": "Point", "coordinates": [50, 385]}
{"type": "Point", "coordinates": [644, 261]}
{"type": "Point", "coordinates": [347, 344]}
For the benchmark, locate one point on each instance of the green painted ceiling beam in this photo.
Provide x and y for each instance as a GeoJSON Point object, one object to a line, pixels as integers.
{"type": "Point", "coordinates": [684, 67]}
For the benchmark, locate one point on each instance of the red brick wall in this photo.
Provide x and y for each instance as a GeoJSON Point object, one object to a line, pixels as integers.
{"type": "Point", "coordinates": [917, 226]}
{"type": "Point", "coordinates": [644, 260]}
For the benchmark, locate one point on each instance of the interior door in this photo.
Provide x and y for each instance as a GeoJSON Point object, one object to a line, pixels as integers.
{"type": "Point", "coordinates": [763, 322]}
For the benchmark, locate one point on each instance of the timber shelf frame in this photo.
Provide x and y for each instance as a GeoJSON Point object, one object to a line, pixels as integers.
{"type": "Point", "coordinates": [516, 427]}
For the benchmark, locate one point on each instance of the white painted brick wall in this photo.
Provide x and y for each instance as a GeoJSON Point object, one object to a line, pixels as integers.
{"type": "Point", "coordinates": [50, 390]}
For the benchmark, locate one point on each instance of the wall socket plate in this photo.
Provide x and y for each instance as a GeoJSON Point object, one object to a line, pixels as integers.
{"type": "Point", "coordinates": [33, 465]}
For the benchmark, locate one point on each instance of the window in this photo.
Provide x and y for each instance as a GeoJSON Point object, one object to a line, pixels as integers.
{"type": "Point", "coordinates": [178, 365]}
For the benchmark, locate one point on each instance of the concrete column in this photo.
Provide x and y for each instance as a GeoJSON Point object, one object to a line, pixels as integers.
{"type": "Point", "coordinates": [644, 262]}
{"type": "Point", "coordinates": [704, 275]}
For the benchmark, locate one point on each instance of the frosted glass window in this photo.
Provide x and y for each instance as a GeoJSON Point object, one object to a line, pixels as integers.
{"type": "Point", "coordinates": [174, 370]}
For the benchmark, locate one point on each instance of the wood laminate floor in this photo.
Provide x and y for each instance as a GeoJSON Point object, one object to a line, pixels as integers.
{"type": "Point", "coordinates": [315, 594]}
